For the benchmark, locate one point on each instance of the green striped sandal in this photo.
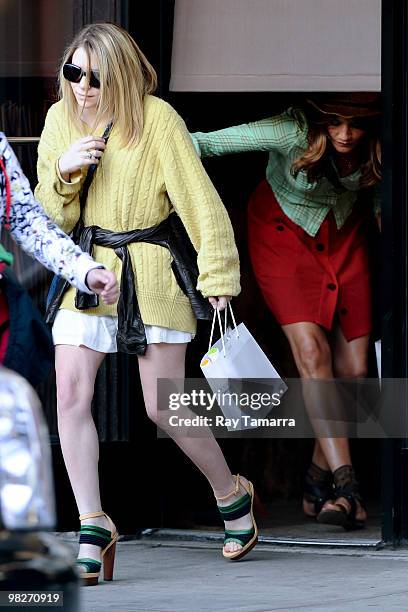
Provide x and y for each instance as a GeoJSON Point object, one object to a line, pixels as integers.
{"type": "Point", "coordinates": [106, 540]}
{"type": "Point", "coordinates": [247, 538]}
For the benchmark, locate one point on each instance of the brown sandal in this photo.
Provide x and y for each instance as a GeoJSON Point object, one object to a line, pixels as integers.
{"type": "Point", "coordinates": [346, 487]}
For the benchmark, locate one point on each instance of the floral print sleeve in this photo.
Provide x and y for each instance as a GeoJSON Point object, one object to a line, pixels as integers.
{"type": "Point", "coordinates": [34, 231]}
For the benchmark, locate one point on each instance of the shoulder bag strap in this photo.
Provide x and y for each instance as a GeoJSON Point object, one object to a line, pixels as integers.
{"type": "Point", "coordinates": [90, 174]}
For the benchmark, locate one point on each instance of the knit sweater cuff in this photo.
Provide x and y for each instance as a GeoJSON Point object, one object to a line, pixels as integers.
{"type": "Point", "coordinates": [196, 144]}
{"type": "Point", "coordinates": [63, 187]}
{"type": "Point", "coordinates": [84, 265]}
{"type": "Point", "coordinates": [218, 287]}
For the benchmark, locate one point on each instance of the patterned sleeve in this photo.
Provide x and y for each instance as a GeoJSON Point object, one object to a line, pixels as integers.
{"type": "Point", "coordinates": [34, 231]}
{"type": "Point", "coordinates": [281, 133]}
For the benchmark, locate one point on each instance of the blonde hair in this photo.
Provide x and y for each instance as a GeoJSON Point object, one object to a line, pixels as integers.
{"type": "Point", "coordinates": [125, 75]}
{"type": "Point", "coordinates": [315, 160]}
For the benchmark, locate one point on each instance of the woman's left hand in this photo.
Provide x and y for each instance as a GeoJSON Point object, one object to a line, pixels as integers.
{"type": "Point", "coordinates": [220, 302]}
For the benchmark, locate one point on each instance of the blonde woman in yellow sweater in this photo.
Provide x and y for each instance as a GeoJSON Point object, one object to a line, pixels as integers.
{"type": "Point", "coordinates": [147, 170]}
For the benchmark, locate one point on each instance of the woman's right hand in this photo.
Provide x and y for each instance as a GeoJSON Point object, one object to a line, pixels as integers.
{"type": "Point", "coordinates": [81, 154]}
{"type": "Point", "coordinates": [103, 283]}
{"type": "Point", "coordinates": [219, 302]}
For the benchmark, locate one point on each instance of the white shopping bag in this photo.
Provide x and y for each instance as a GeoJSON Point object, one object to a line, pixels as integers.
{"type": "Point", "coordinates": [378, 356]}
{"type": "Point", "coordinates": [227, 366]}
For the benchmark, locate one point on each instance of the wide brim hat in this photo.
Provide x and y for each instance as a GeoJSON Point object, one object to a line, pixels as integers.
{"type": "Point", "coordinates": [347, 105]}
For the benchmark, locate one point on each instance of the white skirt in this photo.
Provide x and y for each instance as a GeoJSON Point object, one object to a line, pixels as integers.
{"type": "Point", "coordinates": [99, 332]}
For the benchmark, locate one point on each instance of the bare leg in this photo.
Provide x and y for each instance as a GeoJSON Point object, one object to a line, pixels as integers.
{"type": "Point", "coordinates": [313, 357]}
{"type": "Point", "coordinates": [76, 369]}
{"type": "Point", "coordinates": [316, 359]}
{"type": "Point", "coordinates": [167, 361]}
{"type": "Point", "coordinates": [349, 358]}
{"type": "Point", "coordinates": [349, 361]}
{"type": "Point", "coordinates": [318, 457]}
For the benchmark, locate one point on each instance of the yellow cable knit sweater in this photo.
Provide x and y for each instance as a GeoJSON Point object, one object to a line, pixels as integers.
{"type": "Point", "coordinates": [136, 188]}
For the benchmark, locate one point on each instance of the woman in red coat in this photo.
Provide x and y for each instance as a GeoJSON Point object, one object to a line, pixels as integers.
{"type": "Point", "coordinates": [309, 252]}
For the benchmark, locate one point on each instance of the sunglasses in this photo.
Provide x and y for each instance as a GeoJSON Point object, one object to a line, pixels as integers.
{"type": "Point", "coordinates": [74, 74]}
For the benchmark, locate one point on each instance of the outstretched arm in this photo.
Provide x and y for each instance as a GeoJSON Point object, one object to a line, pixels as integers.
{"type": "Point", "coordinates": [203, 214]}
{"type": "Point", "coordinates": [38, 236]}
{"type": "Point", "coordinates": [280, 132]}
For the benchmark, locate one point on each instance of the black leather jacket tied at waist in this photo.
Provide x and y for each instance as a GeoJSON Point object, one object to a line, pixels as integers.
{"type": "Point", "coordinates": [171, 234]}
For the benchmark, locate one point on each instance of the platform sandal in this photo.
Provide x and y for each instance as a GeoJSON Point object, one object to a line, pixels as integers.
{"type": "Point", "coordinates": [318, 489]}
{"type": "Point", "coordinates": [98, 536]}
{"type": "Point", "coordinates": [347, 501]}
{"type": "Point", "coordinates": [247, 538]}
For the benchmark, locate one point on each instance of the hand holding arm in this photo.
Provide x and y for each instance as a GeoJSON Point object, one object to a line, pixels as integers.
{"type": "Point", "coordinates": [104, 283]}
{"type": "Point", "coordinates": [36, 234]}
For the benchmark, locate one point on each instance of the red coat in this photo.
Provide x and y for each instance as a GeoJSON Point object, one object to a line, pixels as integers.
{"type": "Point", "coordinates": [305, 278]}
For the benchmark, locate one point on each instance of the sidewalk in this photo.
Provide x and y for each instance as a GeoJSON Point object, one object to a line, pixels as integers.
{"type": "Point", "coordinates": [176, 576]}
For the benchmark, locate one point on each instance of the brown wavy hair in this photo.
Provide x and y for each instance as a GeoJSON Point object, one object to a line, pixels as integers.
{"type": "Point", "coordinates": [315, 159]}
{"type": "Point", "coordinates": [125, 74]}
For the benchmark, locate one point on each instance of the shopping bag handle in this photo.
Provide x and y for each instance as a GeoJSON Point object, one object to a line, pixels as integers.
{"type": "Point", "coordinates": [217, 314]}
